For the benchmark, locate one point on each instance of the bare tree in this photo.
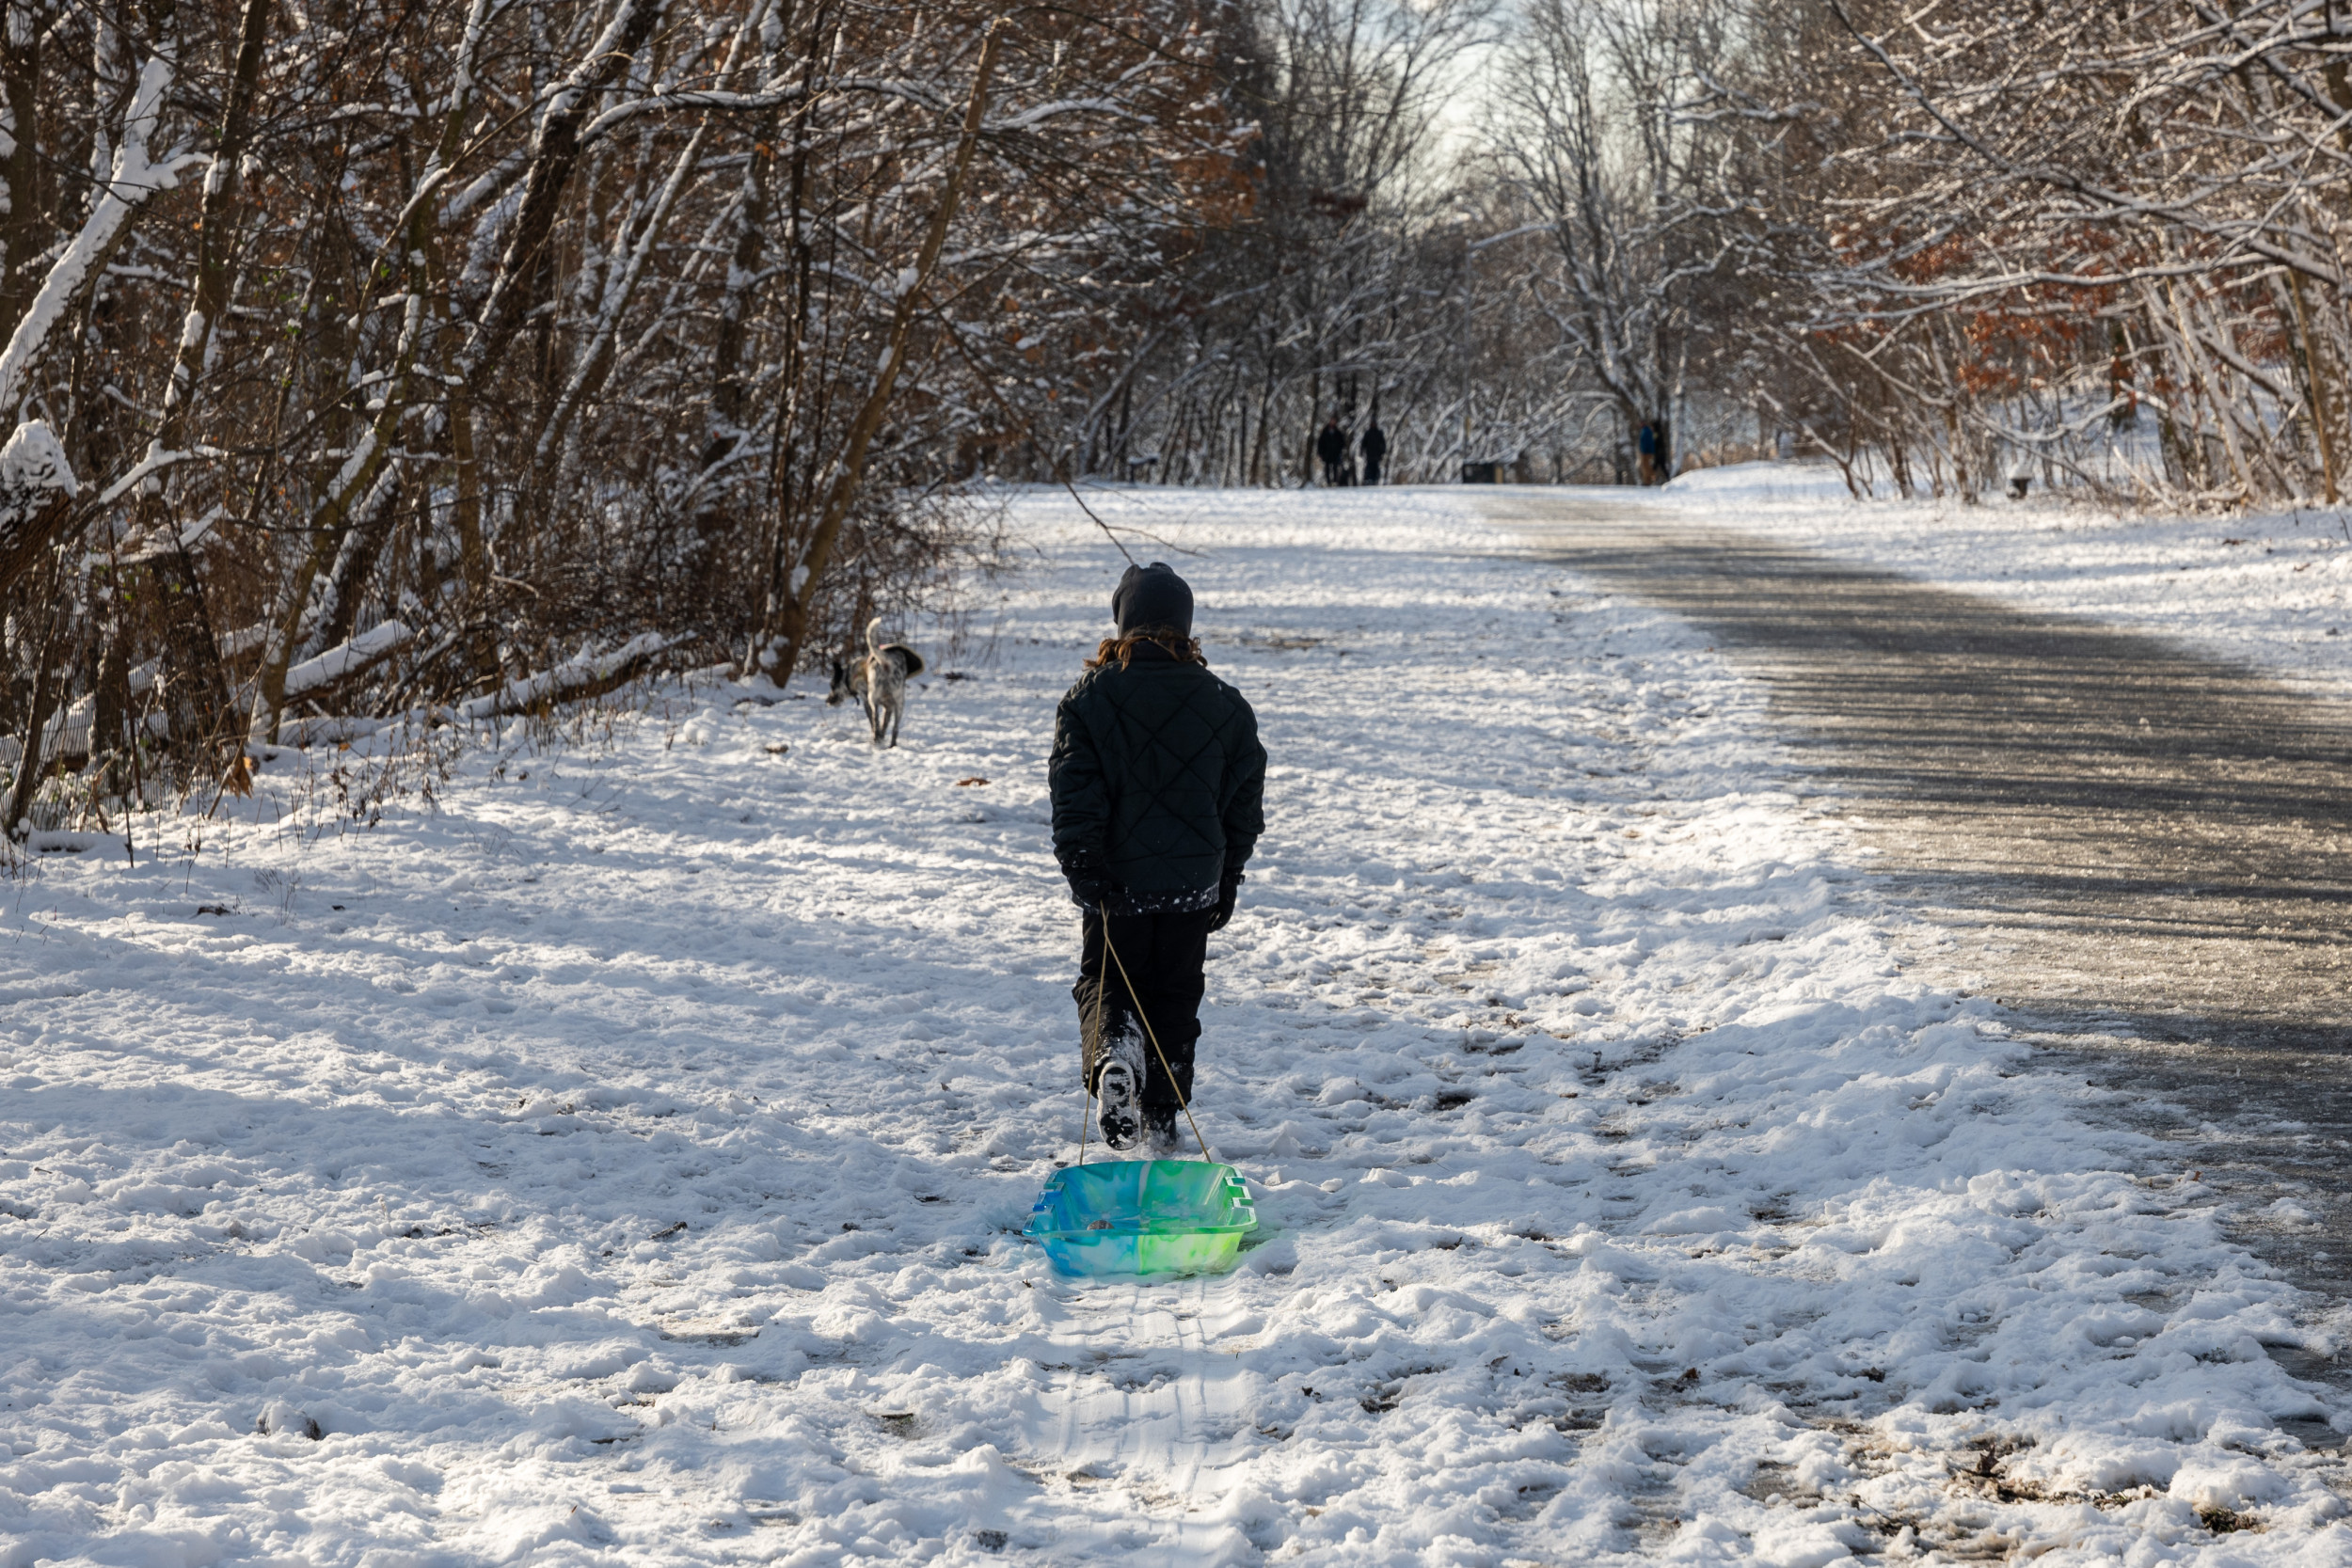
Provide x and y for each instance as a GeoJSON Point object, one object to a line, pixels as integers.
{"type": "Point", "coordinates": [503, 346]}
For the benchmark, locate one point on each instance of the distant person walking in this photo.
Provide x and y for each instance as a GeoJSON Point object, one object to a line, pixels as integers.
{"type": "Point", "coordinates": [1652, 449]}
{"type": "Point", "coordinates": [1331, 446]}
{"type": "Point", "coordinates": [1374, 446]}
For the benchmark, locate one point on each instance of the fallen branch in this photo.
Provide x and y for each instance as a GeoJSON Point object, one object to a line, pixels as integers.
{"type": "Point", "coordinates": [576, 680]}
{"type": "Point", "coordinates": [314, 677]}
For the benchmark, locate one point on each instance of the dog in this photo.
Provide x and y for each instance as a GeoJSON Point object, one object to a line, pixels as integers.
{"type": "Point", "coordinates": [878, 681]}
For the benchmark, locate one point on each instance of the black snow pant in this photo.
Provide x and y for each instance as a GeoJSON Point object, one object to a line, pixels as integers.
{"type": "Point", "coordinates": [1162, 955]}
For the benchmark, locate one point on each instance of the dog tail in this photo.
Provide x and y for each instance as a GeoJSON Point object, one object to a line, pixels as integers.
{"type": "Point", "coordinates": [911, 660]}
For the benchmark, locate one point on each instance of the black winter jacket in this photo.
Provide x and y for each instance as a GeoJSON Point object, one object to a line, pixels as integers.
{"type": "Point", "coordinates": [1157, 779]}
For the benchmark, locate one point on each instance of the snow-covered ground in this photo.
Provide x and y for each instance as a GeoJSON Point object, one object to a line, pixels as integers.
{"type": "Point", "coordinates": [2272, 590]}
{"type": "Point", "coordinates": [617, 1157]}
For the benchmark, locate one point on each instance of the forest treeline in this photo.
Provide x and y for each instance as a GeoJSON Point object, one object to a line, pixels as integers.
{"type": "Point", "coordinates": [459, 358]}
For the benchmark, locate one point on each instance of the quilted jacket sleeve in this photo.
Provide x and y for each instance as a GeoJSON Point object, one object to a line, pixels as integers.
{"type": "Point", "coordinates": [1081, 798]}
{"type": "Point", "coordinates": [1244, 780]}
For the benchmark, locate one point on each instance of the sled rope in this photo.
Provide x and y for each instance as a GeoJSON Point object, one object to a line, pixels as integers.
{"type": "Point", "coordinates": [1087, 1124]}
{"type": "Point", "coordinates": [1149, 1032]}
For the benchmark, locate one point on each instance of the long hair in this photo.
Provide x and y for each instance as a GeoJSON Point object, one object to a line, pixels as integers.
{"type": "Point", "coordinates": [1184, 650]}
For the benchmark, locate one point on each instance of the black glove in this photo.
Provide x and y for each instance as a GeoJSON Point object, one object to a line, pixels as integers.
{"type": "Point", "coordinates": [1089, 884]}
{"type": "Point", "coordinates": [1227, 895]}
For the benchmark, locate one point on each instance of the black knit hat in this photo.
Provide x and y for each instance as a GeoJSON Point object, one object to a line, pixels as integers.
{"type": "Point", "coordinates": [1149, 596]}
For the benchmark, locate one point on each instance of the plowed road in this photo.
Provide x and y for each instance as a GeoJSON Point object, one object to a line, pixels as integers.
{"type": "Point", "coordinates": [2146, 853]}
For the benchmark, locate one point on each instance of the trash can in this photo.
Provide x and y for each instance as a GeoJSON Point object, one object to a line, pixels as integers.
{"type": "Point", "coordinates": [1481, 473]}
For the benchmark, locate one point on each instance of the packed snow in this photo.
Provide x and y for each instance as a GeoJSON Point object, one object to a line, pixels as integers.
{"type": "Point", "coordinates": [612, 1148]}
{"type": "Point", "coordinates": [2272, 590]}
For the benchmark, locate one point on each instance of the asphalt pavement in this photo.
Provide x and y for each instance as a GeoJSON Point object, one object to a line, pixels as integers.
{"type": "Point", "coordinates": [2145, 854]}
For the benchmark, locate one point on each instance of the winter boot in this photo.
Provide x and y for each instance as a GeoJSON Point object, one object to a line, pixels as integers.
{"type": "Point", "coordinates": [1160, 1140]}
{"type": "Point", "coordinates": [1119, 1090]}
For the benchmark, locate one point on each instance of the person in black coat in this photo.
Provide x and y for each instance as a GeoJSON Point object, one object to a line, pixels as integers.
{"type": "Point", "coordinates": [1331, 446]}
{"type": "Point", "coordinates": [1157, 780]}
{"type": "Point", "coordinates": [1374, 446]}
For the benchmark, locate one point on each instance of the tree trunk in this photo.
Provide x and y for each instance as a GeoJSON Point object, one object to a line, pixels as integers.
{"type": "Point", "coordinates": [216, 224]}
{"type": "Point", "coordinates": [555, 154]}
{"type": "Point", "coordinates": [849, 468]}
{"type": "Point", "coordinates": [46, 690]}
{"type": "Point", "coordinates": [197, 686]}
{"type": "Point", "coordinates": [2316, 388]}
{"type": "Point", "coordinates": [21, 24]}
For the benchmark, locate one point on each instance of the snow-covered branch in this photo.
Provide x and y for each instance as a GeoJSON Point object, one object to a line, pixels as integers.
{"type": "Point", "coordinates": [574, 680]}
{"type": "Point", "coordinates": [132, 178]}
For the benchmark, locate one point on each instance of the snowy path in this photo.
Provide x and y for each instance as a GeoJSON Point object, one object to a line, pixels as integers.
{"type": "Point", "coordinates": [2131, 833]}
{"type": "Point", "coordinates": [1188, 1424]}
{"type": "Point", "coordinates": [2146, 849]}
{"type": "Point", "coordinates": [619, 1160]}
{"type": "Point", "coordinates": [2272, 591]}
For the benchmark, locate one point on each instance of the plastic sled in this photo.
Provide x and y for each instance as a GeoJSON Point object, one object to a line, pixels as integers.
{"type": "Point", "coordinates": [1142, 1217]}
